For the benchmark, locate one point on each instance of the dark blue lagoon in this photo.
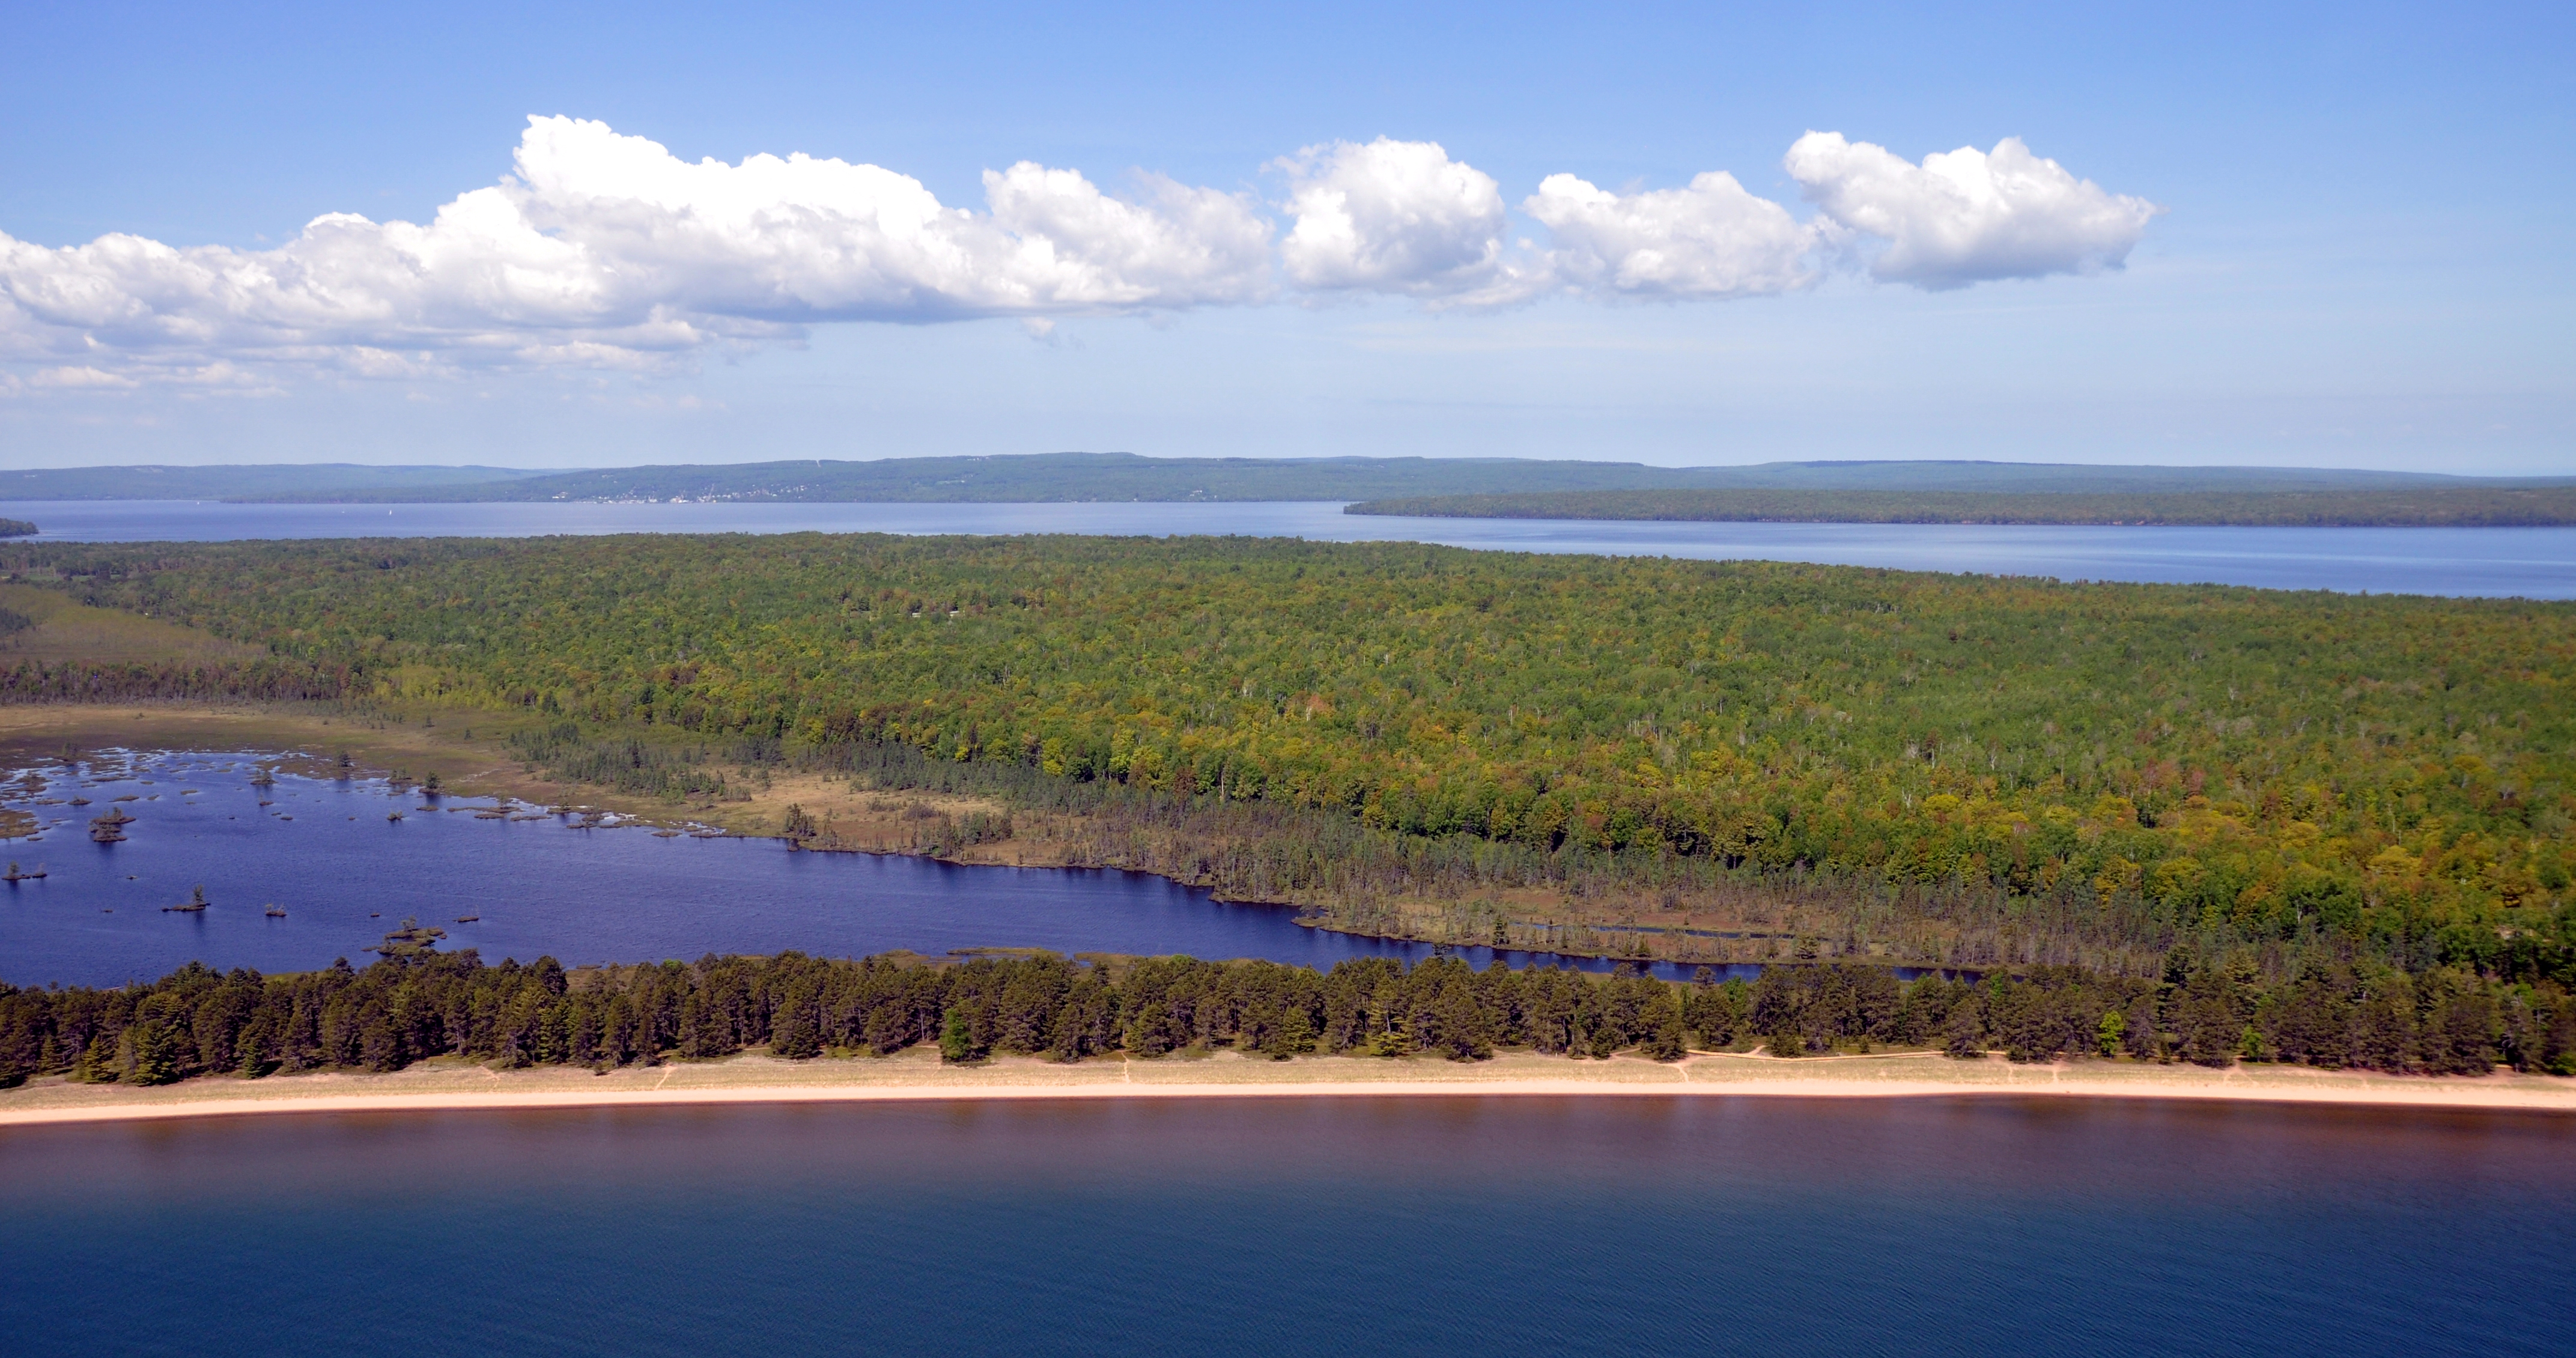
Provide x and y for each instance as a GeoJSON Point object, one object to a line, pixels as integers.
{"type": "Point", "coordinates": [1497, 1225]}
{"type": "Point", "coordinates": [527, 885]}
{"type": "Point", "coordinates": [2533, 563]}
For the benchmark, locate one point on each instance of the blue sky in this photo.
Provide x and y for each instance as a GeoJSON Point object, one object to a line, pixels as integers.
{"type": "Point", "coordinates": [2313, 235]}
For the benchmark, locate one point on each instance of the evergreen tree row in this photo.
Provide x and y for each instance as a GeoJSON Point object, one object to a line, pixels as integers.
{"type": "Point", "coordinates": [413, 1006]}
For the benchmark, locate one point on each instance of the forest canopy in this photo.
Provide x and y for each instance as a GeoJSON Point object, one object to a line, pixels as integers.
{"type": "Point", "coordinates": [2269, 765]}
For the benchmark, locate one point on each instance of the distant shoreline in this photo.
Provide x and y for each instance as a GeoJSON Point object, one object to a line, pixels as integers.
{"type": "Point", "coordinates": [2441, 507]}
{"type": "Point", "coordinates": [1072, 477]}
{"type": "Point", "coordinates": [915, 1078]}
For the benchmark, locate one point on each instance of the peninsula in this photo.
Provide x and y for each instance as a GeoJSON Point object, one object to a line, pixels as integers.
{"type": "Point", "coordinates": [2414, 506]}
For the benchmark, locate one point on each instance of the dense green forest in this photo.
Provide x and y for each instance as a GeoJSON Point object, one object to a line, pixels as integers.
{"type": "Point", "coordinates": [1125, 476]}
{"type": "Point", "coordinates": [17, 528]}
{"type": "Point", "coordinates": [2414, 507]}
{"type": "Point", "coordinates": [418, 1004]}
{"type": "Point", "coordinates": [2127, 766]}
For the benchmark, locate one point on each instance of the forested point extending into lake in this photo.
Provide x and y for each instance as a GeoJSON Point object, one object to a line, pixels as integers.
{"type": "Point", "coordinates": [2060, 772]}
{"type": "Point", "coordinates": [2413, 507]}
{"type": "Point", "coordinates": [418, 1004]}
{"type": "Point", "coordinates": [17, 528]}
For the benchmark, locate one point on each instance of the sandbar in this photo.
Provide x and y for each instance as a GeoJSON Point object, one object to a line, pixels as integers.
{"type": "Point", "coordinates": [914, 1076]}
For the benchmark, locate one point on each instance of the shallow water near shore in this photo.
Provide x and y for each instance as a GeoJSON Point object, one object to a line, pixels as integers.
{"type": "Point", "coordinates": [2531, 563]}
{"type": "Point", "coordinates": [533, 885]}
{"type": "Point", "coordinates": [1604, 1225]}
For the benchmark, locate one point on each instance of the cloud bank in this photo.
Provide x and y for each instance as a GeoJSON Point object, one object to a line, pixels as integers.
{"type": "Point", "coordinates": [606, 251]}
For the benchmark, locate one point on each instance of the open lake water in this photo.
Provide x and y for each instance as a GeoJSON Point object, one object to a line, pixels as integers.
{"type": "Point", "coordinates": [1344, 1226]}
{"type": "Point", "coordinates": [2532, 563]}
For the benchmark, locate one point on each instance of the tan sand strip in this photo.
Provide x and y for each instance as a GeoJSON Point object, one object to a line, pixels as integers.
{"type": "Point", "coordinates": [916, 1078]}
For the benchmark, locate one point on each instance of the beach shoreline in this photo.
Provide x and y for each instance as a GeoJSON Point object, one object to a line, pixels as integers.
{"type": "Point", "coordinates": [911, 1078]}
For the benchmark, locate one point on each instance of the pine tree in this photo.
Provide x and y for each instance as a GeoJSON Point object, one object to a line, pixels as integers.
{"type": "Point", "coordinates": [957, 1038]}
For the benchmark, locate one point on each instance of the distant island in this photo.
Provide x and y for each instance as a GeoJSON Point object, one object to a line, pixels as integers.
{"type": "Point", "coordinates": [17, 528]}
{"type": "Point", "coordinates": [1080, 477]}
{"type": "Point", "coordinates": [2435, 506]}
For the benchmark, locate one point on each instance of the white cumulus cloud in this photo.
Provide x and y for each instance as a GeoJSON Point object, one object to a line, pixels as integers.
{"type": "Point", "coordinates": [1392, 216]}
{"type": "Point", "coordinates": [606, 250]}
{"type": "Point", "coordinates": [1709, 241]}
{"type": "Point", "coordinates": [1967, 216]}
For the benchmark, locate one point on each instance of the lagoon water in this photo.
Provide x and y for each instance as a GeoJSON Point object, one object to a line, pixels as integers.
{"type": "Point", "coordinates": [2533, 563]}
{"type": "Point", "coordinates": [325, 852]}
{"type": "Point", "coordinates": [1360, 1226]}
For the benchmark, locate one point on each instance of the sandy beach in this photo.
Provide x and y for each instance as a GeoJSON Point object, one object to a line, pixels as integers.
{"type": "Point", "coordinates": [916, 1076]}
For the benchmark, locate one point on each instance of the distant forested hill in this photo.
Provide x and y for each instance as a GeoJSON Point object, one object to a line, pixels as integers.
{"type": "Point", "coordinates": [1040, 477]}
{"type": "Point", "coordinates": [2411, 506]}
{"type": "Point", "coordinates": [261, 481]}
{"type": "Point", "coordinates": [1125, 476]}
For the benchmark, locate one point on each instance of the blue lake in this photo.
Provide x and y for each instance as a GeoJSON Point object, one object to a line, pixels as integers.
{"type": "Point", "coordinates": [1467, 1225]}
{"type": "Point", "coordinates": [324, 851]}
{"type": "Point", "coordinates": [2534, 563]}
